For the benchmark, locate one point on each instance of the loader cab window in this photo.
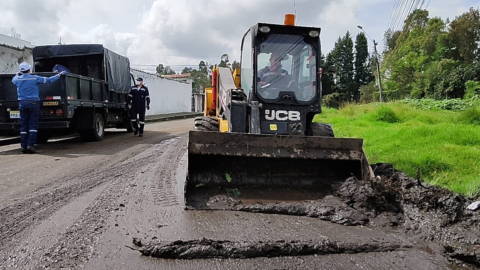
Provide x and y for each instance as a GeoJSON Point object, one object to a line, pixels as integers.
{"type": "Point", "coordinates": [246, 69]}
{"type": "Point", "coordinates": [286, 67]}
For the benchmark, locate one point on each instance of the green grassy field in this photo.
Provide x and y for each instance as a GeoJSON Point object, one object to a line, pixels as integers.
{"type": "Point", "coordinates": [444, 144]}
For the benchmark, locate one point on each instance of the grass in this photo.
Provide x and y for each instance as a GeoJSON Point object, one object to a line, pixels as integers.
{"type": "Point", "coordinates": [444, 144]}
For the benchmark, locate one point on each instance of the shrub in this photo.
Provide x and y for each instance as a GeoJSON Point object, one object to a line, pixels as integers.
{"type": "Point", "coordinates": [331, 100]}
{"type": "Point", "coordinates": [470, 116]}
{"type": "Point", "coordinates": [472, 89]}
{"type": "Point", "coordinates": [367, 93]}
{"type": "Point", "coordinates": [386, 114]}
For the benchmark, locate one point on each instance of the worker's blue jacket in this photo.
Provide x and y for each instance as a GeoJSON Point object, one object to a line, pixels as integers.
{"type": "Point", "coordinates": [27, 85]}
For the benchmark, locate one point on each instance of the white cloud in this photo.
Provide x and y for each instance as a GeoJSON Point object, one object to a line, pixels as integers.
{"type": "Point", "coordinates": [183, 32]}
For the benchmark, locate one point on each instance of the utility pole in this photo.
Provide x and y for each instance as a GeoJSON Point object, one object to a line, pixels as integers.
{"type": "Point", "coordinates": [378, 70]}
{"type": "Point", "coordinates": [377, 61]}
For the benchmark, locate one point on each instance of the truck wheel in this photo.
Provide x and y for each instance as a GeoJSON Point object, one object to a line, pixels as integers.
{"type": "Point", "coordinates": [97, 132]}
{"type": "Point", "coordinates": [205, 123]}
{"type": "Point", "coordinates": [320, 129]}
{"type": "Point", "coordinates": [42, 137]}
{"type": "Point", "coordinates": [128, 123]}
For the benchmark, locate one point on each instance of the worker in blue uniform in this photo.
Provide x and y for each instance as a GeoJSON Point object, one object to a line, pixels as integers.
{"type": "Point", "coordinates": [29, 101]}
{"type": "Point", "coordinates": [138, 100]}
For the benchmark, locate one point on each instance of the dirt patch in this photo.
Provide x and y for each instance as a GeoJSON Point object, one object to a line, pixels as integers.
{"type": "Point", "coordinates": [208, 248]}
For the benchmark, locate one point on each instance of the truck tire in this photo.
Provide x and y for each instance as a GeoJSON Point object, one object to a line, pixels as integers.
{"type": "Point", "coordinates": [128, 123]}
{"type": "Point", "coordinates": [42, 137]}
{"type": "Point", "coordinates": [97, 132]}
{"type": "Point", "coordinates": [320, 129]}
{"type": "Point", "coordinates": [205, 123]}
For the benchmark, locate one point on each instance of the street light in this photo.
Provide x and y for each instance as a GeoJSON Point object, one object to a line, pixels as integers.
{"type": "Point", "coordinates": [378, 63]}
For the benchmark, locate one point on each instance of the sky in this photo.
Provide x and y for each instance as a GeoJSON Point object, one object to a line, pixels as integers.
{"type": "Point", "coordinates": [181, 33]}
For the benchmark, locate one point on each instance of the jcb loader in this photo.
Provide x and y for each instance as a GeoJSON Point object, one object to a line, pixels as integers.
{"type": "Point", "coordinates": [256, 142]}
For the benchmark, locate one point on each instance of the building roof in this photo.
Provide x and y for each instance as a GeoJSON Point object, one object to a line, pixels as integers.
{"type": "Point", "coordinates": [14, 42]}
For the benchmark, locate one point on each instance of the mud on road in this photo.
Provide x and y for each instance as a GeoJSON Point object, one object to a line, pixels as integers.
{"type": "Point", "coordinates": [102, 205]}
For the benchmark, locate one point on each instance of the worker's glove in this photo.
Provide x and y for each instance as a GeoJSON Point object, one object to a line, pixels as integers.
{"type": "Point", "coordinates": [129, 106]}
{"type": "Point", "coordinates": [148, 107]}
{"type": "Point", "coordinates": [63, 73]}
{"type": "Point", "coordinates": [19, 73]}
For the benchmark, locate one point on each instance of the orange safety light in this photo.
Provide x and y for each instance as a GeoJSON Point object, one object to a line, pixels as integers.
{"type": "Point", "coordinates": [289, 19]}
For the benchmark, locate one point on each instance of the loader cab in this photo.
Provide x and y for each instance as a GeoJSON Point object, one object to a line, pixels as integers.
{"type": "Point", "coordinates": [280, 64]}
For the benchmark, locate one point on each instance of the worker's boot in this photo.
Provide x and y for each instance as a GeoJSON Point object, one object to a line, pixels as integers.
{"type": "Point", "coordinates": [142, 126]}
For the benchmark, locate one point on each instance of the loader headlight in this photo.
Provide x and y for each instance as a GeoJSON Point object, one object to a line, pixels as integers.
{"type": "Point", "coordinates": [313, 33]}
{"type": "Point", "coordinates": [264, 29]}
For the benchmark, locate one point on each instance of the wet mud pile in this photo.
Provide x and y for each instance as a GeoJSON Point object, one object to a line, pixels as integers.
{"type": "Point", "coordinates": [207, 248]}
{"type": "Point", "coordinates": [392, 200]}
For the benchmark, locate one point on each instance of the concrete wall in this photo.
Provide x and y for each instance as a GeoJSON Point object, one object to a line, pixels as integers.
{"type": "Point", "coordinates": [11, 57]}
{"type": "Point", "coordinates": [167, 96]}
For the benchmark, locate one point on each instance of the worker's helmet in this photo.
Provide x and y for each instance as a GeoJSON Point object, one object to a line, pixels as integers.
{"type": "Point", "coordinates": [24, 67]}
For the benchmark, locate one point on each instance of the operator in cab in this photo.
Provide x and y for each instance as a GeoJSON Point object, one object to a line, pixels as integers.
{"type": "Point", "coordinates": [274, 76]}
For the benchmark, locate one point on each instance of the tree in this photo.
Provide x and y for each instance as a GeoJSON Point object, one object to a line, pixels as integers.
{"type": "Point", "coordinates": [235, 65]}
{"type": "Point", "coordinates": [415, 51]}
{"type": "Point", "coordinates": [391, 38]}
{"type": "Point", "coordinates": [363, 68]}
{"type": "Point", "coordinates": [164, 70]}
{"type": "Point", "coordinates": [201, 77]}
{"type": "Point", "coordinates": [465, 36]}
{"type": "Point", "coordinates": [224, 61]}
{"type": "Point", "coordinates": [328, 80]}
{"type": "Point", "coordinates": [345, 69]}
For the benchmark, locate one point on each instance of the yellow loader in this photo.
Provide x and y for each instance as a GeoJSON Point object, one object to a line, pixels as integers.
{"type": "Point", "coordinates": [256, 142]}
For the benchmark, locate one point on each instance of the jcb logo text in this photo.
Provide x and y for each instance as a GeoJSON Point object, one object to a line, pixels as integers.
{"type": "Point", "coordinates": [281, 115]}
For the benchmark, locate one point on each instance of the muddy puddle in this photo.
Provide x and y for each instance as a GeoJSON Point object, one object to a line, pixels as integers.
{"type": "Point", "coordinates": [392, 200]}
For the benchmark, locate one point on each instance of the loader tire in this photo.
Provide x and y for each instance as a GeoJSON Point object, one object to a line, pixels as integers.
{"type": "Point", "coordinates": [206, 124]}
{"type": "Point", "coordinates": [320, 129]}
{"type": "Point", "coordinates": [239, 95]}
{"type": "Point", "coordinates": [211, 120]}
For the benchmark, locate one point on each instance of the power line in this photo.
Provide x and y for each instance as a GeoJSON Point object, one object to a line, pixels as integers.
{"type": "Point", "coordinates": [423, 2]}
{"type": "Point", "coordinates": [394, 13]}
{"type": "Point", "coordinates": [428, 4]}
{"type": "Point", "coordinates": [400, 18]}
{"type": "Point", "coordinates": [177, 56]}
{"type": "Point", "coordinates": [165, 65]}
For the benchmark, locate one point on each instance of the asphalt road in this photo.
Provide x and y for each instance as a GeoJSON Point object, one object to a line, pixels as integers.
{"type": "Point", "coordinates": [79, 205]}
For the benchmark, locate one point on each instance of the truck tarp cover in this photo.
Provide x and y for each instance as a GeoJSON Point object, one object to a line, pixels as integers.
{"type": "Point", "coordinates": [118, 67]}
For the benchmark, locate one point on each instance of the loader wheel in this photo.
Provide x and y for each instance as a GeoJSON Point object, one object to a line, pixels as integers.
{"type": "Point", "coordinates": [206, 124]}
{"type": "Point", "coordinates": [320, 129]}
{"type": "Point", "coordinates": [239, 95]}
{"type": "Point", "coordinates": [211, 120]}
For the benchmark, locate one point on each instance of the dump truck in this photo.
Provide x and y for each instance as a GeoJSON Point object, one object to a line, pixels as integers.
{"type": "Point", "coordinates": [257, 142]}
{"type": "Point", "coordinates": [88, 99]}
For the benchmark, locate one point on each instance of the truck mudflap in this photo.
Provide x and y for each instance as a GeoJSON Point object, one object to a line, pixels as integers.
{"type": "Point", "coordinates": [252, 168]}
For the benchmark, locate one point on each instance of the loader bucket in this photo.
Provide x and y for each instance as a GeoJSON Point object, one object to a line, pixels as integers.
{"type": "Point", "coordinates": [236, 168]}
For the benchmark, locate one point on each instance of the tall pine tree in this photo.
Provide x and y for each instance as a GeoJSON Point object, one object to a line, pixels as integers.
{"type": "Point", "coordinates": [345, 71]}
